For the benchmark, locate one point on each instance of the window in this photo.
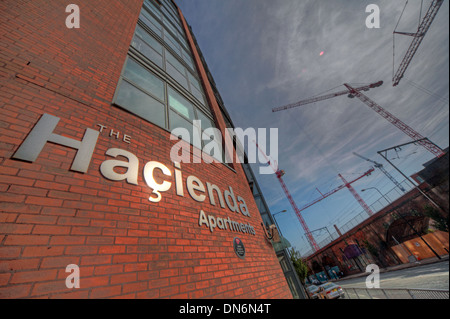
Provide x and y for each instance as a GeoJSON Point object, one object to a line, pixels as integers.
{"type": "Point", "coordinates": [148, 46]}
{"type": "Point", "coordinates": [180, 68]}
{"type": "Point", "coordinates": [141, 104]}
{"type": "Point", "coordinates": [181, 105]}
{"type": "Point", "coordinates": [176, 70]}
{"type": "Point", "coordinates": [142, 93]}
{"type": "Point", "coordinates": [151, 22]}
{"type": "Point", "coordinates": [159, 82]}
{"type": "Point", "coordinates": [141, 77]}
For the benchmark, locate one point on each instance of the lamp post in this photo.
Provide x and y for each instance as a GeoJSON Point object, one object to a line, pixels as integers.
{"type": "Point", "coordinates": [403, 174]}
{"type": "Point", "coordinates": [276, 223]}
{"type": "Point", "coordinates": [385, 198]}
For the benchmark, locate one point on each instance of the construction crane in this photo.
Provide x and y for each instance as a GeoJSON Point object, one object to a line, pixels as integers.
{"type": "Point", "coordinates": [356, 195]}
{"type": "Point", "coordinates": [326, 97]}
{"type": "Point", "coordinates": [422, 30]}
{"type": "Point", "coordinates": [385, 172]}
{"type": "Point", "coordinates": [280, 173]}
{"type": "Point", "coordinates": [357, 92]}
{"type": "Point", "coordinates": [345, 185]}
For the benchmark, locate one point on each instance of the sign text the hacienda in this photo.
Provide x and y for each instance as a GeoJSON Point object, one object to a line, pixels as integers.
{"type": "Point", "coordinates": [43, 132]}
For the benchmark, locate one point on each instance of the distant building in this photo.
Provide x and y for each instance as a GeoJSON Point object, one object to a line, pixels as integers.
{"type": "Point", "coordinates": [399, 233]}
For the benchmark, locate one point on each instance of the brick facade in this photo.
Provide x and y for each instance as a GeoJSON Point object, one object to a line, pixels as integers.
{"type": "Point", "coordinates": [50, 216]}
{"type": "Point", "coordinates": [375, 235]}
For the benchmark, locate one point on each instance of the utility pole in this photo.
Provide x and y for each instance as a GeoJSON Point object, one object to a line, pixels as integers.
{"type": "Point", "coordinates": [403, 174]}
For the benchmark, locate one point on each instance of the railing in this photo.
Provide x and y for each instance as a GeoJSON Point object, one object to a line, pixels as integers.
{"type": "Point", "coordinates": [363, 293]}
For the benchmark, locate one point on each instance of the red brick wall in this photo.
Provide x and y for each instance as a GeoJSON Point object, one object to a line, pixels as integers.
{"type": "Point", "coordinates": [374, 230]}
{"type": "Point", "coordinates": [51, 217]}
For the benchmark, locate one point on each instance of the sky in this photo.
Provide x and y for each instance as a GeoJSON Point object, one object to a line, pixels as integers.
{"type": "Point", "coordinates": [269, 53]}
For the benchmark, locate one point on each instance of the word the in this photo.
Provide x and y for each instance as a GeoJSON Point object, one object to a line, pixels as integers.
{"type": "Point", "coordinates": [126, 138]}
{"type": "Point", "coordinates": [73, 19]}
{"type": "Point", "coordinates": [373, 280]}
{"type": "Point", "coordinates": [373, 20]}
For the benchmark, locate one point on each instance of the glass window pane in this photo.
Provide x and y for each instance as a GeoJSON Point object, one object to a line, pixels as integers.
{"type": "Point", "coordinates": [153, 8]}
{"type": "Point", "coordinates": [151, 22]}
{"type": "Point", "coordinates": [141, 104]}
{"type": "Point", "coordinates": [169, 25]}
{"type": "Point", "coordinates": [188, 60]}
{"type": "Point", "coordinates": [212, 145]}
{"type": "Point", "coordinates": [170, 58]}
{"type": "Point", "coordinates": [194, 81]}
{"type": "Point", "coordinates": [177, 121]}
{"type": "Point", "coordinates": [183, 40]}
{"type": "Point", "coordinates": [206, 122]}
{"type": "Point", "coordinates": [144, 35]}
{"type": "Point", "coordinates": [199, 96]}
{"type": "Point", "coordinates": [147, 51]}
{"type": "Point", "coordinates": [176, 75]}
{"type": "Point", "coordinates": [144, 79]}
{"type": "Point", "coordinates": [180, 104]}
{"type": "Point", "coordinates": [172, 42]}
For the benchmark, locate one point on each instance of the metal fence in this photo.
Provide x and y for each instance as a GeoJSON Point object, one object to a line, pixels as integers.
{"type": "Point", "coordinates": [363, 293]}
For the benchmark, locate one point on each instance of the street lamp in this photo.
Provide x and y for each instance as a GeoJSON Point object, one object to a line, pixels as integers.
{"type": "Point", "coordinates": [378, 192]}
{"type": "Point", "coordinates": [276, 223]}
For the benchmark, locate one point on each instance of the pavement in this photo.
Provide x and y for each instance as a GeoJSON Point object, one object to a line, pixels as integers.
{"type": "Point", "coordinates": [427, 261]}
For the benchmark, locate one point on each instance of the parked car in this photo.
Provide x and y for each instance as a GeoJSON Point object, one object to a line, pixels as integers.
{"type": "Point", "coordinates": [312, 291]}
{"type": "Point", "coordinates": [330, 291]}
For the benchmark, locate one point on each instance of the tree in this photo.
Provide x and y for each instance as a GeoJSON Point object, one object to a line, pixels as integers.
{"type": "Point", "coordinates": [300, 266]}
{"type": "Point", "coordinates": [439, 221]}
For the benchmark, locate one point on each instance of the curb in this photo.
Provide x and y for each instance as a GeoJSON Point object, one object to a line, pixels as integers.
{"type": "Point", "coordinates": [398, 267]}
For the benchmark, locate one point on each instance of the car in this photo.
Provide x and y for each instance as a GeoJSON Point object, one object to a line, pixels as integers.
{"type": "Point", "coordinates": [330, 290]}
{"type": "Point", "coordinates": [312, 291]}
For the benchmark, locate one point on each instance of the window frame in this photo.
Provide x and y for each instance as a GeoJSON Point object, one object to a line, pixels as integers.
{"type": "Point", "coordinates": [168, 81]}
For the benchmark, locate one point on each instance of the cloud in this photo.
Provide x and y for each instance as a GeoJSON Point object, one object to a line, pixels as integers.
{"type": "Point", "coordinates": [265, 54]}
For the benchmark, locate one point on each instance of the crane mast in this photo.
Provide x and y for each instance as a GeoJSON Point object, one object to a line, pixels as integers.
{"type": "Point", "coordinates": [432, 148]}
{"type": "Point", "coordinates": [357, 197]}
{"type": "Point", "coordinates": [356, 92]}
{"type": "Point", "coordinates": [298, 211]}
{"type": "Point", "coordinates": [280, 173]}
{"type": "Point", "coordinates": [326, 195]}
{"type": "Point", "coordinates": [310, 237]}
{"type": "Point", "coordinates": [326, 97]}
{"type": "Point", "coordinates": [385, 172]}
{"type": "Point", "coordinates": [417, 39]}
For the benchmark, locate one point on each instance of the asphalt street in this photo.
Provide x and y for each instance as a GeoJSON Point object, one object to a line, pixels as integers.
{"type": "Point", "coordinates": [431, 276]}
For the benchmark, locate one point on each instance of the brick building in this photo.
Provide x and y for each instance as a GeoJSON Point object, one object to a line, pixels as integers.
{"type": "Point", "coordinates": [399, 233]}
{"type": "Point", "coordinates": [85, 161]}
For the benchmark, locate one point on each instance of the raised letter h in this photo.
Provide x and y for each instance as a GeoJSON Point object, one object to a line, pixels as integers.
{"type": "Point", "coordinates": [43, 133]}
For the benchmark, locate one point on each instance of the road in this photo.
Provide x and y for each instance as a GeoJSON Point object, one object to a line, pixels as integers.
{"type": "Point", "coordinates": [432, 276]}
